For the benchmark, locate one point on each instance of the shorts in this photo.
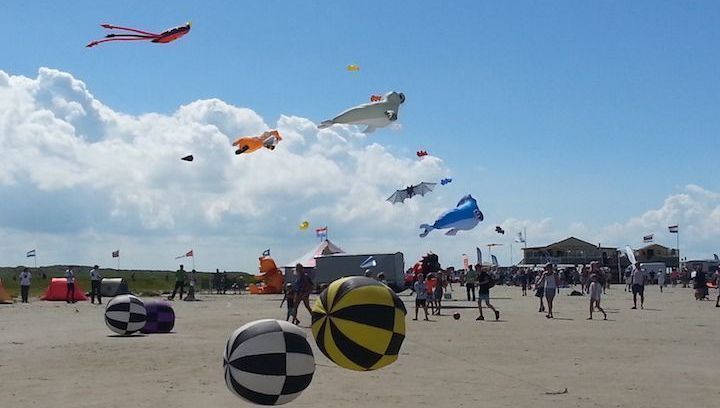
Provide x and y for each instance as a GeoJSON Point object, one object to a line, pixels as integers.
{"type": "Point", "coordinates": [550, 293]}
{"type": "Point", "coordinates": [539, 292]}
{"type": "Point", "coordinates": [420, 302]}
{"type": "Point", "coordinates": [638, 289]}
{"type": "Point", "coordinates": [483, 296]}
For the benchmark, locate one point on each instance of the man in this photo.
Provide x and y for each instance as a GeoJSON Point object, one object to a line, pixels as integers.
{"type": "Point", "coordinates": [95, 280]}
{"type": "Point", "coordinates": [638, 285]}
{"type": "Point", "coordinates": [484, 284]}
{"type": "Point", "coordinates": [70, 279]}
{"type": "Point", "coordinates": [216, 281]}
{"type": "Point", "coordinates": [179, 283]}
{"type": "Point", "coordinates": [524, 281]}
{"type": "Point", "coordinates": [701, 289]}
{"type": "Point", "coordinates": [25, 277]}
{"type": "Point", "coordinates": [470, 279]}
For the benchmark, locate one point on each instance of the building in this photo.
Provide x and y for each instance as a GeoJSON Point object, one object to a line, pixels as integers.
{"type": "Point", "coordinates": [570, 252]}
{"type": "Point", "coordinates": [657, 253]}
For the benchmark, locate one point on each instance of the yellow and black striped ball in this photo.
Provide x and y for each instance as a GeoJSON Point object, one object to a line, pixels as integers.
{"type": "Point", "coordinates": [359, 323]}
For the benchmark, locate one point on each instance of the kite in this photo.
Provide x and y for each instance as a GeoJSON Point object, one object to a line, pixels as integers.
{"type": "Point", "coordinates": [249, 144]}
{"type": "Point", "coordinates": [304, 225]}
{"type": "Point", "coordinates": [499, 230]}
{"type": "Point", "coordinates": [373, 115]}
{"type": "Point", "coordinates": [445, 181]}
{"type": "Point", "coordinates": [375, 98]}
{"type": "Point", "coordinates": [353, 68]}
{"type": "Point", "coordinates": [370, 262]}
{"type": "Point", "coordinates": [188, 158]}
{"type": "Point", "coordinates": [132, 34]}
{"type": "Point", "coordinates": [465, 216]}
{"type": "Point", "coordinates": [421, 153]}
{"type": "Point", "coordinates": [400, 196]}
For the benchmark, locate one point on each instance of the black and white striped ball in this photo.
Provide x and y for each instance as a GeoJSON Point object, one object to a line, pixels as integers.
{"type": "Point", "coordinates": [268, 362]}
{"type": "Point", "coordinates": [125, 314]}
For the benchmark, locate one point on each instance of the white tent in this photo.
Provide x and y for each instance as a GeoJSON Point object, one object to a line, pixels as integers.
{"type": "Point", "coordinates": [308, 260]}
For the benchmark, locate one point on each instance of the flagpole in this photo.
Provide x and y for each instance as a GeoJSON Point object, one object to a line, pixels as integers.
{"type": "Point", "coordinates": [677, 241]}
{"type": "Point", "coordinates": [118, 262]}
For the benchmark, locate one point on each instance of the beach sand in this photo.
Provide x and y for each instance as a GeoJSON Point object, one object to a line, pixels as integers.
{"type": "Point", "coordinates": [57, 355]}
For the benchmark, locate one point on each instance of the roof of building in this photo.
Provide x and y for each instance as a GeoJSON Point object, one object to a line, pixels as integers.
{"type": "Point", "coordinates": [570, 241]}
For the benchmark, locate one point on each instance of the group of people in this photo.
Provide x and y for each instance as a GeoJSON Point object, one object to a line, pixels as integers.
{"type": "Point", "coordinates": [95, 282]}
{"type": "Point", "coordinates": [181, 277]}
{"type": "Point", "coordinates": [297, 292]}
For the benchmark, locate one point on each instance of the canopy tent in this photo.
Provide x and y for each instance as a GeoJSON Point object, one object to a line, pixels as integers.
{"type": "Point", "coordinates": [308, 260]}
{"type": "Point", "coordinates": [110, 287]}
{"type": "Point", "coordinates": [4, 297]}
{"type": "Point", "coordinates": [57, 290]}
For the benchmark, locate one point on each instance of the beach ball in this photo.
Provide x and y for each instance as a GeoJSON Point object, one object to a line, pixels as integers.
{"type": "Point", "coordinates": [456, 316]}
{"type": "Point", "coordinates": [359, 323]}
{"type": "Point", "coordinates": [125, 314]}
{"type": "Point", "coordinates": [268, 362]}
{"type": "Point", "coordinates": [160, 317]}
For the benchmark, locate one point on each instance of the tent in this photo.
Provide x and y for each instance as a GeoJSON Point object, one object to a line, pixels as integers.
{"type": "Point", "coordinates": [5, 299]}
{"type": "Point", "coordinates": [110, 287]}
{"type": "Point", "coordinates": [58, 289]}
{"type": "Point", "coordinates": [308, 260]}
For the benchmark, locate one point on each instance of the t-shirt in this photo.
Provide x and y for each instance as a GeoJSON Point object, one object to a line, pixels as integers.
{"type": "Point", "coordinates": [484, 282]}
{"type": "Point", "coordinates": [420, 290]}
{"type": "Point", "coordinates": [180, 275]}
{"type": "Point", "coordinates": [638, 277]}
{"type": "Point", "coordinates": [471, 276]}
{"type": "Point", "coordinates": [70, 276]}
{"type": "Point", "coordinates": [595, 290]}
{"type": "Point", "coordinates": [95, 275]}
{"type": "Point", "coordinates": [25, 278]}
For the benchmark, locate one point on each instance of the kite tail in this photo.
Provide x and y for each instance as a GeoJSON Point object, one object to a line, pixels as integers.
{"type": "Point", "coordinates": [427, 229]}
{"type": "Point", "coordinates": [325, 124]}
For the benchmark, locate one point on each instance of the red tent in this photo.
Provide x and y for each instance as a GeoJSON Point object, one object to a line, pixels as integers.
{"type": "Point", "coordinates": [57, 290]}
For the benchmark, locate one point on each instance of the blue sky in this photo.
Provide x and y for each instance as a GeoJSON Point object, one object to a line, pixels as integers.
{"type": "Point", "coordinates": [589, 112]}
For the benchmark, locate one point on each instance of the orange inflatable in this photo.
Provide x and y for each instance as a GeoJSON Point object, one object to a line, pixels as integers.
{"type": "Point", "coordinates": [271, 279]}
{"type": "Point", "coordinates": [249, 144]}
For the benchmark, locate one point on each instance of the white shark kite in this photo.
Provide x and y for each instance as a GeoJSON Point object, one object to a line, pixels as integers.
{"type": "Point", "coordinates": [373, 115]}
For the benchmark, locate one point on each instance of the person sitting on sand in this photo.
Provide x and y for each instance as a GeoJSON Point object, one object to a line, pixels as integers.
{"type": "Point", "coordinates": [420, 288]}
{"type": "Point", "coordinates": [595, 292]}
{"type": "Point", "coordinates": [485, 282]}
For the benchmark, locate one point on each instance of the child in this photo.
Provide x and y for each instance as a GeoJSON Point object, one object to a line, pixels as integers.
{"type": "Point", "coordinates": [420, 296]}
{"type": "Point", "coordinates": [595, 292]}
{"type": "Point", "coordinates": [438, 294]}
{"type": "Point", "coordinates": [290, 299]}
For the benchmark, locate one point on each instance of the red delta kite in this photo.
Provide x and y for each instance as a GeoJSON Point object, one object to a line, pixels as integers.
{"type": "Point", "coordinates": [132, 34]}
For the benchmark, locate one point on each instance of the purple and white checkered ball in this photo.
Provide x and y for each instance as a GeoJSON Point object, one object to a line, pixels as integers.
{"type": "Point", "coordinates": [160, 317]}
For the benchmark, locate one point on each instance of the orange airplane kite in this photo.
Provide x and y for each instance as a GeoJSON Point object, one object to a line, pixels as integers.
{"type": "Point", "coordinates": [249, 144]}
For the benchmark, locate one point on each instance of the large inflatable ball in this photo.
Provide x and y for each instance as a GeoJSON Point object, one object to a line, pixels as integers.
{"type": "Point", "coordinates": [359, 323]}
{"type": "Point", "coordinates": [160, 317]}
{"type": "Point", "coordinates": [268, 362]}
{"type": "Point", "coordinates": [125, 314]}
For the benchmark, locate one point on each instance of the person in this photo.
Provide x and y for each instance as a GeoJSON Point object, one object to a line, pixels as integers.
{"type": "Point", "coordinates": [549, 282]}
{"type": "Point", "coordinates": [601, 277]}
{"type": "Point", "coordinates": [368, 273]}
{"type": "Point", "coordinates": [70, 279]}
{"type": "Point", "coordinates": [700, 283]}
{"type": "Point", "coordinates": [216, 281]}
{"type": "Point", "coordinates": [717, 285]}
{"type": "Point", "coordinates": [524, 281]}
{"type": "Point", "coordinates": [381, 278]}
{"type": "Point", "coordinates": [179, 283]}
{"type": "Point", "coordinates": [224, 282]}
{"type": "Point", "coordinates": [303, 285]}
{"type": "Point", "coordinates": [485, 282]}
{"type": "Point", "coordinates": [470, 280]}
{"type": "Point", "coordinates": [191, 290]}
{"type": "Point", "coordinates": [25, 278]}
{"type": "Point", "coordinates": [540, 293]}
{"type": "Point", "coordinates": [289, 298]}
{"type": "Point", "coordinates": [420, 295]}
{"type": "Point", "coordinates": [438, 292]}
{"type": "Point", "coordinates": [584, 279]}
{"type": "Point", "coordinates": [95, 280]}
{"type": "Point", "coordinates": [661, 280]}
{"type": "Point", "coordinates": [595, 291]}
{"type": "Point", "coordinates": [637, 277]}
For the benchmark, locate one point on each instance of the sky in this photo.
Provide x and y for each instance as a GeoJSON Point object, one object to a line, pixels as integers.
{"type": "Point", "coordinates": [593, 119]}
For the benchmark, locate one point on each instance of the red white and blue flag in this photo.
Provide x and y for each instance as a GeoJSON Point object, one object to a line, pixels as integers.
{"type": "Point", "coordinates": [673, 229]}
{"type": "Point", "coordinates": [187, 255]}
{"type": "Point", "coordinates": [648, 238]}
{"type": "Point", "coordinates": [321, 232]}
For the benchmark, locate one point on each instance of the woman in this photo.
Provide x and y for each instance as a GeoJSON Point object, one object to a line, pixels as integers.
{"type": "Point", "coordinates": [302, 287]}
{"type": "Point", "coordinates": [549, 282]}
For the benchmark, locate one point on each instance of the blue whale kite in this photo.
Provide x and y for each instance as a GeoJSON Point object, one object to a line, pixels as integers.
{"type": "Point", "coordinates": [465, 216]}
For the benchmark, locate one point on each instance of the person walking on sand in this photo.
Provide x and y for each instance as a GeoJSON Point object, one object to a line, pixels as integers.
{"type": "Point", "coordinates": [95, 280]}
{"type": "Point", "coordinates": [700, 281]}
{"type": "Point", "coordinates": [70, 280]}
{"type": "Point", "coordinates": [179, 283]}
{"type": "Point", "coordinates": [595, 292]}
{"type": "Point", "coordinates": [549, 282]}
{"type": "Point", "coordinates": [303, 286]}
{"type": "Point", "coordinates": [421, 294]}
{"type": "Point", "coordinates": [485, 282]}
{"type": "Point", "coordinates": [438, 293]}
{"type": "Point", "coordinates": [470, 280]}
{"type": "Point", "coordinates": [540, 293]}
{"type": "Point", "coordinates": [25, 278]}
{"type": "Point", "coordinates": [637, 278]}
{"type": "Point", "coordinates": [524, 281]}
{"type": "Point", "coordinates": [661, 280]}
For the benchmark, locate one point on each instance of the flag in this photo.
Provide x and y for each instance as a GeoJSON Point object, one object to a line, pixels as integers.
{"type": "Point", "coordinates": [520, 239]}
{"type": "Point", "coordinates": [321, 232]}
{"type": "Point", "coordinates": [116, 254]}
{"type": "Point", "coordinates": [466, 261]}
{"type": "Point", "coordinates": [266, 252]}
{"type": "Point", "coordinates": [479, 255]}
{"type": "Point", "coordinates": [494, 260]}
{"type": "Point", "coordinates": [673, 229]}
{"type": "Point", "coordinates": [188, 254]}
{"type": "Point", "coordinates": [648, 238]}
{"type": "Point", "coordinates": [368, 263]}
{"type": "Point", "coordinates": [30, 254]}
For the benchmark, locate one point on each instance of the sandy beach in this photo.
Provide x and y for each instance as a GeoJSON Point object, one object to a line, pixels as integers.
{"type": "Point", "coordinates": [60, 355]}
